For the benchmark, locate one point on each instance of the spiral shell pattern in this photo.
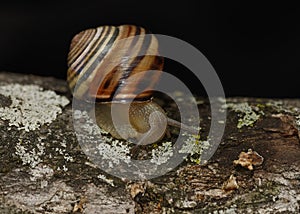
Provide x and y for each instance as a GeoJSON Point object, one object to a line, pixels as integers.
{"type": "Point", "coordinates": [101, 60]}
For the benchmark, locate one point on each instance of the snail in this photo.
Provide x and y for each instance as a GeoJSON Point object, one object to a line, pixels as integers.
{"type": "Point", "coordinates": [101, 63]}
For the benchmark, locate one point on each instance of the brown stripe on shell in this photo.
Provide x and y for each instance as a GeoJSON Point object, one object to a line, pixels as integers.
{"type": "Point", "coordinates": [76, 69]}
{"type": "Point", "coordinates": [99, 38]}
{"type": "Point", "coordinates": [90, 73]}
{"type": "Point", "coordinates": [79, 43]}
{"type": "Point", "coordinates": [108, 63]}
{"type": "Point", "coordinates": [118, 59]}
{"type": "Point", "coordinates": [95, 58]}
{"type": "Point", "coordinates": [88, 51]}
{"type": "Point", "coordinates": [148, 59]}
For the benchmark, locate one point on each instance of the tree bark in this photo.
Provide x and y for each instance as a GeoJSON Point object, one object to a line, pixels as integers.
{"type": "Point", "coordinates": [256, 168]}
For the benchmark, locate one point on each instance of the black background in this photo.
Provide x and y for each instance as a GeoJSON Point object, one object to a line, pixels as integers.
{"type": "Point", "coordinates": [254, 47]}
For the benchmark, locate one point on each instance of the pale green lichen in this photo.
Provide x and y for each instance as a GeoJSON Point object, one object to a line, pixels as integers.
{"type": "Point", "coordinates": [277, 106]}
{"type": "Point", "coordinates": [30, 157]}
{"type": "Point", "coordinates": [162, 154]}
{"type": "Point", "coordinates": [275, 103]}
{"type": "Point", "coordinates": [247, 114]}
{"type": "Point", "coordinates": [281, 107]}
{"type": "Point", "coordinates": [194, 147]}
{"type": "Point", "coordinates": [31, 106]}
{"type": "Point", "coordinates": [114, 153]}
{"type": "Point", "coordinates": [100, 145]}
{"type": "Point", "coordinates": [89, 128]}
{"type": "Point", "coordinates": [32, 154]}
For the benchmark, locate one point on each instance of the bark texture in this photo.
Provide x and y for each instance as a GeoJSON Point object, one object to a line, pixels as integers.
{"type": "Point", "coordinates": [256, 168]}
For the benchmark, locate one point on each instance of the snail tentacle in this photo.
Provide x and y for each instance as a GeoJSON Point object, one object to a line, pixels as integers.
{"type": "Point", "coordinates": [102, 67]}
{"type": "Point", "coordinates": [180, 125]}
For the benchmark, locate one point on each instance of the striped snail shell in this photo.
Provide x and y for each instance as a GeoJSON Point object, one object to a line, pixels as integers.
{"type": "Point", "coordinates": [102, 59]}
{"type": "Point", "coordinates": [99, 67]}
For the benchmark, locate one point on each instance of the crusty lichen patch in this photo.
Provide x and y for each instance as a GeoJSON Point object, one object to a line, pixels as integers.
{"type": "Point", "coordinates": [31, 106]}
{"type": "Point", "coordinates": [110, 150]}
{"type": "Point", "coordinates": [28, 156]}
{"type": "Point", "coordinates": [100, 145]}
{"type": "Point", "coordinates": [194, 147]}
{"type": "Point", "coordinates": [162, 154]}
{"type": "Point", "coordinates": [247, 114]}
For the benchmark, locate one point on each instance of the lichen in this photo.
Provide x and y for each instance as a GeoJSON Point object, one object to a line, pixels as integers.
{"type": "Point", "coordinates": [162, 154]}
{"type": "Point", "coordinates": [194, 147]}
{"type": "Point", "coordinates": [30, 157]}
{"type": "Point", "coordinates": [111, 150]}
{"type": "Point", "coordinates": [31, 106]}
{"type": "Point", "coordinates": [114, 153]}
{"type": "Point", "coordinates": [32, 153]}
{"type": "Point", "coordinates": [275, 104]}
{"type": "Point", "coordinates": [281, 107]}
{"type": "Point", "coordinates": [247, 114]}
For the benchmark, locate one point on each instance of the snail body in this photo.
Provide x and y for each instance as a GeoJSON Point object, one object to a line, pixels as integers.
{"type": "Point", "coordinates": [147, 121]}
{"type": "Point", "coordinates": [109, 64]}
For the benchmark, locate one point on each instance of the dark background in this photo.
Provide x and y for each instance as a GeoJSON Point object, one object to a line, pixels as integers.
{"type": "Point", "coordinates": [254, 47]}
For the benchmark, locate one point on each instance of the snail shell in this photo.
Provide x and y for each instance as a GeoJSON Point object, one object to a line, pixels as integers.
{"type": "Point", "coordinates": [100, 64]}
{"type": "Point", "coordinates": [101, 60]}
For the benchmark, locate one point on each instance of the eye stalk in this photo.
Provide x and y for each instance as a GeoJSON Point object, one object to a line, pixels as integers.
{"type": "Point", "coordinates": [100, 64]}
